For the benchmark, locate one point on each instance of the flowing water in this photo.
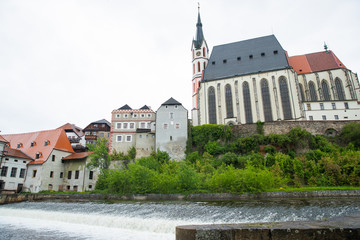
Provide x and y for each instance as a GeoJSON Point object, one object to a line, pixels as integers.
{"type": "Point", "coordinates": [153, 220]}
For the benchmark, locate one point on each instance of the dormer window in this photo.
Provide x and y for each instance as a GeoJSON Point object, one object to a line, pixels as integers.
{"type": "Point", "coordinates": [239, 58]}
{"type": "Point", "coordinates": [38, 155]}
{"type": "Point", "coordinates": [224, 61]}
{"type": "Point", "coordinates": [19, 145]}
{"type": "Point", "coordinates": [213, 62]}
{"type": "Point", "coordinates": [276, 52]}
{"type": "Point", "coordinates": [95, 125]}
{"type": "Point", "coordinates": [263, 54]}
{"type": "Point", "coordinates": [251, 56]}
{"type": "Point", "coordinates": [33, 143]}
{"type": "Point", "coordinates": [47, 142]}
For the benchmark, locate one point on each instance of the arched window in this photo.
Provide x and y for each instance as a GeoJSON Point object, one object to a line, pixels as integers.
{"type": "Point", "coordinates": [198, 66]}
{"type": "Point", "coordinates": [204, 54]}
{"type": "Point", "coordinates": [204, 65]}
{"type": "Point", "coordinates": [194, 68]}
{"type": "Point", "coordinates": [313, 96]}
{"type": "Point", "coordinates": [302, 95]}
{"type": "Point", "coordinates": [247, 102]}
{"type": "Point", "coordinates": [285, 98]}
{"type": "Point", "coordinates": [339, 89]}
{"type": "Point", "coordinates": [212, 105]}
{"type": "Point", "coordinates": [229, 101]}
{"type": "Point", "coordinates": [325, 89]}
{"type": "Point", "coordinates": [193, 52]}
{"type": "Point", "coordinates": [265, 93]}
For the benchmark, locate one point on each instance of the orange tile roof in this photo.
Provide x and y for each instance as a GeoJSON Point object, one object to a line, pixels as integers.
{"type": "Point", "coordinates": [3, 139]}
{"type": "Point", "coordinates": [315, 62]}
{"type": "Point", "coordinates": [57, 140]}
{"type": "Point", "coordinates": [79, 155]}
{"type": "Point", "coordinates": [78, 131]}
{"type": "Point", "coordinates": [16, 153]}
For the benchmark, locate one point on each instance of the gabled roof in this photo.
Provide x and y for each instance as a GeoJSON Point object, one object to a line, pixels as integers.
{"type": "Point", "coordinates": [34, 142]}
{"type": "Point", "coordinates": [76, 156]}
{"type": "Point", "coordinates": [125, 107]}
{"type": "Point", "coordinates": [250, 56]}
{"type": "Point", "coordinates": [315, 62]}
{"type": "Point", "coordinates": [72, 127]}
{"type": "Point", "coordinates": [3, 139]}
{"type": "Point", "coordinates": [16, 153]}
{"type": "Point", "coordinates": [171, 101]}
{"type": "Point", "coordinates": [144, 107]}
{"type": "Point", "coordinates": [102, 121]}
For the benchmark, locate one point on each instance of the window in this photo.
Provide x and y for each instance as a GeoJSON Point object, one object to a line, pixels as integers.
{"type": "Point", "coordinates": [47, 142]}
{"type": "Point", "coordinates": [224, 61]}
{"type": "Point", "coordinates": [132, 125]}
{"type": "Point", "coordinates": [142, 115]}
{"type": "Point", "coordinates": [128, 138]}
{"type": "Point", "coordinates": [91, 175]}
{"type": "Point", "coordinates": [4, 170]}
{"type": "Point", "coordinates": [204, 65]}
{"type": "Point", "coordinates": [94, 133]}
{"type": "Point", "coordinates": [68, 187]}
{"type": "Point", "coordinates": [149, 115]}
{"type": "Point", "coordinates": [53, 158]}
{"type": "Point", "coordinates": [119, 138]}
{"type": "Point", "coordinates": [212, 105]}
{"type": "Point", "coordinates": [339, 89]}
{"type": "Point", "coordinates": [311, 118]}
{"type": "Point", "coordinates": [51, 174]}
{"type": "Point", "coordinates": [346, 105]}
{"type": "Point", "coordinates": [204, 52]}
{"type": "Point", "coordinates": [239, 58]}
{"type": "Point", "coordinates": [325, 89]}
{"type": "Point", "coordinates": [251, 56]}
{"type": "Point", "coordinates": [313, 95]}
{"type": "Point", "coordinates": [198, 66]}
{"type": "Point", "coordinates": [142, 125]}
{"type": "Point", "coordinates": [140, 136]}
{"type": "Point", "coordinates": [34, 173]}
{"type": "Point", "coordinates": [61, 174]}
{"type": "Point", "coordinates": [247, 102]}
{"type": "Point", "coordinates": [171, 138]}
{"type": "Point", "coordinates": [302, 96]}
{"type": "Point", "coordinates": [333, 106]}
{"type": "Point", "coordinates": [118, 125]}
{"type": "Point", "coordinates": [265, 93]}
{"type": "Point", "coordinates": [32, 144]}
{"type": "Point", "coordinates": [37, 156]}
{"type": "Point", "coordinates": [323, 117]}
{"type": "Point", "coordinates": [50, 187]}
{"type": "Point", "coordinates": [13, 172]}
{"type": "Point", "coordinates": [165, 126]}
{"type": "Point", "coordinates": [276, 52]}
{"type": "Point", "coordinates": [101, 135]}
{"type": "Point", "coordinates": [263, 54]}
{"type": "Point", "coordinates": [177, 126]}
{"type": "Point", "coordinates": [117, 115]}
{"type": "Point", "coordinates": [285, 99]}
{"type": "Point", "coordinates": [229, 101]}
{"type": "Point", "coordinates": [15, 160]}
{"type": "Point", "coordinates": [90, 186]}
{"type": "Point", "coordinates": [69, 174]}
{"type": "Point", "coordinates": [213, 62]}
{"type": "Point", "coordinates": [171, 115]}
{"type": "Point", "coordinates": [22, 173]}
{"type": "Point", "coordinates": [75, 188]}
{"type": "Point", "coordinates": [308, 106]}
{"type": "Point", "coordinates": [125, 125]}
{"type": "Point", "coordinates": [135, 115]}
{"type": "Point", "coordinates": [95, 125]}
{"type": "Point", "coordinates": [336, 117]}
{"type": "Point", "coordinates": [321, 106]}
{"type": "Point", "coordinates": [126, 115]}
{"type": "Point", "coordinates": [77, 174]}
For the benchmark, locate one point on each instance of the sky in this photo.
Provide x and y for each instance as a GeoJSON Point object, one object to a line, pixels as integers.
{"type": "Point", "coordinates": [75, 61]}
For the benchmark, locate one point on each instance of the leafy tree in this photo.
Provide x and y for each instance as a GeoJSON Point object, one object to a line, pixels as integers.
{"type": "Point", "coordinates": [100, 157]}
{"type": "Point", "coordinates": [351, 134]}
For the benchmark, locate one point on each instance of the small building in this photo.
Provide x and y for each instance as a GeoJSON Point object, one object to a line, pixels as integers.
{"type": "Point", "coordinates": [95, 130]}
{"type": "Point", "coordinates": [133, 128]}
{"type": "Point", "coordinates": [172, 129]}
{"type": "Point", "coordinates": [77, 177]}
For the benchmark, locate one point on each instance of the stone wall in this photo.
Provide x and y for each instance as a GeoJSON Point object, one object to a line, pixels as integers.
{"type": "Point", "coordinates": [283, 127]}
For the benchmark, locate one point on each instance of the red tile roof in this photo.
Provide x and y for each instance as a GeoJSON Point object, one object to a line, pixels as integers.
{"type": "Point", "coordinates": [56, 138]}
{"type": "Point", "coordinates": [80, 155]}
{"type": "Point", "coordinates": [78, 131]}
{"type": "Point", "coordinates": [315, 62]}
{"type": "Point", "coordinates": [3, 139]}
{"type": "Point", "coordinates": [16, 153]}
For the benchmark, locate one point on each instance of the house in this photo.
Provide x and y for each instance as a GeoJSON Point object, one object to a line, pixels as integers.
{"type": "Point", "coordinates": [76, 176]}
{"type": "Point", "coordinates": [46, 149]}
{"type": "Point", "coordinates": [133, 128]}
{"type": "Point", "coordinates": [255, 80]}
{"type": "Point", "coordinates": [76, 137]}
{"type": "Point", "coordinates": [95, 130]}
{"type": "Point", "coordinates": [172, 129]}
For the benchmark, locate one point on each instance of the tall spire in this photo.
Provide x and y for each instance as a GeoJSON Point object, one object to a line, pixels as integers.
{"type": "Point", "coordinates": [199, 37]}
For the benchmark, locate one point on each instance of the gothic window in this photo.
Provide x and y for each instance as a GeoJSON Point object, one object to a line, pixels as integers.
{"type": "Point", "coordinates": [325, 89]}
{"type": "Point", "coordinates": [339, 89]}
{"type": "Point", "coordinates": [229, 102]}
{"type": "Point", "coordinates": [212, 105]}
{"type": "Point", "coordinates": [198, 66]}
{"type": "Point", "coordinates": [247, 102]}
{"type": "Point", "coordinates": [265, 93]}
{"type": "Point", "coordinates": [302, 95]}
{"type": "Point", "coordinates": [313, 96]}
{"type": "Point", "coordinates": [285, 98]}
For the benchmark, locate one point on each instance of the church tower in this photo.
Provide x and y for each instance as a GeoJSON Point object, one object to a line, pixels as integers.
{"type": "Point", "coordinates": [200, 57]}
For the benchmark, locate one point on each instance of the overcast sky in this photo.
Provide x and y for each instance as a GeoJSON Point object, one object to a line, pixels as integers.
{"type": "Point", "coordinates": [75, 61]}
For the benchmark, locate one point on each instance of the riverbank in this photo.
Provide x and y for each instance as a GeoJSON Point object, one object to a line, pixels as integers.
{"type": "Point", "coordinates": [12, 198]}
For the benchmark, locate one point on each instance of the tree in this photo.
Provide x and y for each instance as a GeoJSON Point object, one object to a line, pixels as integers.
{"type": "Point", "coordinates": [100, 157]}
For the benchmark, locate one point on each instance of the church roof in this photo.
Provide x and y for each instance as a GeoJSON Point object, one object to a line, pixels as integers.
{"type": "Point", "coordinates": [315, 62]}
{"type": "Point", "coordinates": [250, 56]}
{"type": "Point", "coordinates": [171, 101]}
{"type": "Point", "coordinates": [199, 37]}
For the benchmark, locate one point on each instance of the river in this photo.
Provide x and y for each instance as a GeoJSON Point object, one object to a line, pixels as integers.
{"type": "Point", "coordinates": [153, 220]}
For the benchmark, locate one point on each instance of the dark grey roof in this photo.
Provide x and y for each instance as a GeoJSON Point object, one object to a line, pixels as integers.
{"type": "Point", "coordinates": [250, 56]}
{"type": "Point", "coordinates": [171, 101]}
{"type": "Point", "coordinates": [144, 107]}
{"type": "Point", "coordinates": [102, 121]}
{"type": "Point", "coordinates": [125, 107]}
{"type": "Point", "coordinates": [199, 37]}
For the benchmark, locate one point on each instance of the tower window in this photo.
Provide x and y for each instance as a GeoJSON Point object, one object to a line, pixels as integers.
{"type": "Point", "coordinates": [198, 66]}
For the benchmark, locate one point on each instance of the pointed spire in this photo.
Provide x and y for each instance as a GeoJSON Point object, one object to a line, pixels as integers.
{"type": "Point", "coordinates": [199, 37]}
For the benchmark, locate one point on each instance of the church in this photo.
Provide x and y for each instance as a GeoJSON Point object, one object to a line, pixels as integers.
{"type": "Point", "coordinates": [255, 80]}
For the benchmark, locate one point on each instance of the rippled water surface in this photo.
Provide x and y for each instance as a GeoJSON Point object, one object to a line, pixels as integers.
{"type": "Point", "coordinates": [153, 220]}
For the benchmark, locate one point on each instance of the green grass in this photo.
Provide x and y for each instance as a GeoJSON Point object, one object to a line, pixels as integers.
{"type": "Point", "coordinates": [309, 189]}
